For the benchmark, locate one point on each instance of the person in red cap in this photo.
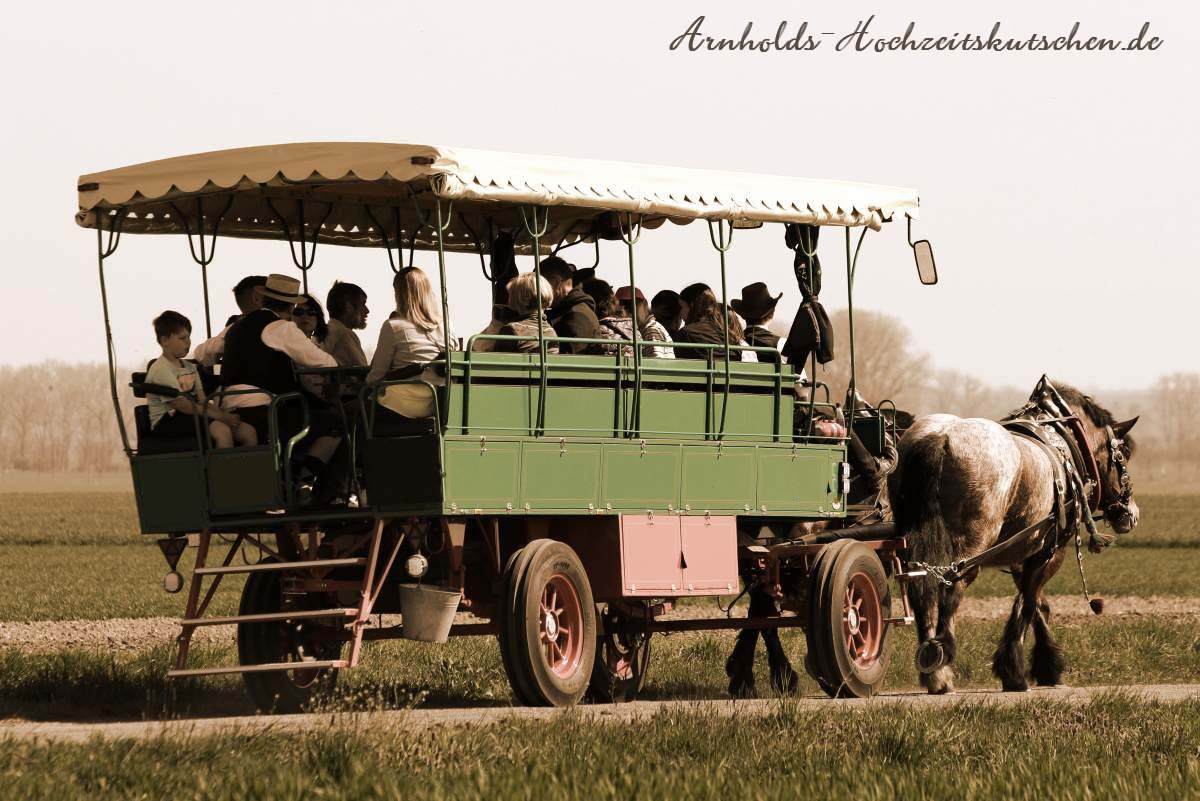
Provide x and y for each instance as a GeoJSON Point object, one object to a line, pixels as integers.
{"type": "Point", "coordinates": [651, 329]}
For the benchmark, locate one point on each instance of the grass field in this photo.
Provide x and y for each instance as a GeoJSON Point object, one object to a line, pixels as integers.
{"type": "Point", "coordinates": [110, 518]}
{"type": "Point", "coordinates": [69, 582]}
{"type": "Point", "coordinates": [468, 671]}
{"type": "Point", "coordinates": [1116, 747]}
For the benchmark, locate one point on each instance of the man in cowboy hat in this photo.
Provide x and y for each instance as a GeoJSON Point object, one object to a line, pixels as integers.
{"type": "Point", "coordinates": [756, 306]}
{"type": "Point", "coordinates": [262, 350]}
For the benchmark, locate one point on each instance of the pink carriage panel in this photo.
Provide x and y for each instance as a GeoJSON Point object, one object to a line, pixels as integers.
{"type": "Point", "coordinates": [709, 547]}
{"type": "Point", "coordinates": [650, 556]}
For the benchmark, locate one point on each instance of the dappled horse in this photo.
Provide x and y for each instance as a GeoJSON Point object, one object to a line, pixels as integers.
{"type": "Point", "coordinates": [973, 493]}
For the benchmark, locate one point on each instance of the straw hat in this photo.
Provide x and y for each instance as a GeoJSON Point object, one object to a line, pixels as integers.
{"type": "Point", "coordinates": [282, 288]}
{"type": "Point", "coordinates": [755, 302]}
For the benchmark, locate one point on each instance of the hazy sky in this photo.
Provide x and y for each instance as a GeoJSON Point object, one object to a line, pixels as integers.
{"type": "Point", "coordinates": [1059, 190]}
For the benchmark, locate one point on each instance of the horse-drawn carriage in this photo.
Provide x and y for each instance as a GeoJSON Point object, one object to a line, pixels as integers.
{"type": "Point", "coordinates": [564, 501]}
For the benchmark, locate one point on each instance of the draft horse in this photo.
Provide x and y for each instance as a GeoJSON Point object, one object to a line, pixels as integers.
{"type": "Point", "coordinates": [973, 493]}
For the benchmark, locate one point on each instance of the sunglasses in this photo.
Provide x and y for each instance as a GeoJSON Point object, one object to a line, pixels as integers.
{"type": "Point", "coordinates": [303, 312]}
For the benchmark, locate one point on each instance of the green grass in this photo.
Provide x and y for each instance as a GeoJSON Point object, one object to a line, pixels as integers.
{"type": "Point", "coordinates": [1121, 570]}
{"type": "Point", "coordinates": [1114, 747]}
{"type": "Point", "coordinates": [90, 582]}
{"type": "Point", "coordinates": [110, 518]}
{"type": "Point", "coordinates": [69, 518]}
{"type": "Point", "coordinates": [468, 672]}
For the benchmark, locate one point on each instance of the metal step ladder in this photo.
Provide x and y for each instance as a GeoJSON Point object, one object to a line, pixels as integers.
{"type": "Point", "coordinates": [354, 617]}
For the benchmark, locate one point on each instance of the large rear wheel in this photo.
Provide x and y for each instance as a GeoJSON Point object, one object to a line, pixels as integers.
{"type": "Point", "coordinates": [549, 635]}
{"type": "Point", "coordinates": [848, 640]}
{"type": "Point", "coordinates": [283, 691]}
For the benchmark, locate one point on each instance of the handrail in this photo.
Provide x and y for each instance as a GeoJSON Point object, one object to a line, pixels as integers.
{"type": "Point", "coordinates": [620, 370]}
{"type": "Point", "coordinates": [273, 427]}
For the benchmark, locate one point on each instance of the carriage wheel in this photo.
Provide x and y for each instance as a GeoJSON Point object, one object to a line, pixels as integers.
{"type": "Point", "coordinates": [622, 662]}
{"type": "Point", "coordinates": [816, 659]}
{"type": "Point", "coordinates": [514, 573]}
{"type": "Point", "coordinates": [282, 641]}
{"type": "Point", "coordinates": [549, 635]}
{"type": "Point", "coordinates": [848, 635]}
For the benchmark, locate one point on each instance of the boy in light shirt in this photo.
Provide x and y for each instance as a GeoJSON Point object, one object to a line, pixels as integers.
{"type": "Point", "coordinates": [172, 416]}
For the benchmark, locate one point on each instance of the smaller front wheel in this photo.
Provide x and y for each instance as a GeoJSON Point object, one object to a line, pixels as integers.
{"type": "Point", "coordinates": [552, 634]}
{"type": "Point", "coordinates": [848, 640]}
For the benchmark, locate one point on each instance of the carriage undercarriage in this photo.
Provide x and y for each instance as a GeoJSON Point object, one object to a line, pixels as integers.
{"type": "Point", "coordinates": [314, 596]}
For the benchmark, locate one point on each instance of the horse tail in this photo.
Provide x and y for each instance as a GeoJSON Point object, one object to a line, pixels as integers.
{"type": "Point", "coordinates": [916, 500]}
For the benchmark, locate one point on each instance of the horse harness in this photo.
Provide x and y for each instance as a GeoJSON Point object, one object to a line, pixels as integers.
{"type": "Point", "coordinates": [1050, 423]}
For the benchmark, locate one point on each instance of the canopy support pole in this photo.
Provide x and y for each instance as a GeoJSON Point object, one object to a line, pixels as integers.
{"type": "Point", "coordinates": [443, 223]}
{"type": "Point", "coordinates": [722, 244]}
{"type": "Point", "coordinates": [308, 256]}
{"type": "Point", "coordinates": [103, 251]}
{"type": "Point", "coordinates": [630, 234]}
{"type": "Point", "coordinates": [536, 232]}
{"type": "Point", "coordinates": [851, 268]}
{"type": "Point", "coordinates": [206, 255]}
{"type": "Point", "coordinates": [387, 242]}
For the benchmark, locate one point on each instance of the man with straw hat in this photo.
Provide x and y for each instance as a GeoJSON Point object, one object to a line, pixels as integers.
{"type": "Point", "coordinates": [262, 351]}
{"type": "Point", "coordinates": [757, 307]}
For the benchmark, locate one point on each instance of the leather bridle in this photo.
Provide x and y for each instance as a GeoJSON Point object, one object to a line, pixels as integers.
{"type": "Point", "coordinates": [1116, 456]}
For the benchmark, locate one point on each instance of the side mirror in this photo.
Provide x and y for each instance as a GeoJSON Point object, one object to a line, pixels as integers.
{"type": "Point", "coordinates": [926, 267]}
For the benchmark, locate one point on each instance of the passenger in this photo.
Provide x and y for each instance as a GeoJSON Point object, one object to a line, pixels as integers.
{"type": "Point", "coordinates": [246, 295]}
{"type": "Point", "coordinates": [687, 299]}
{"type": "Point", "coordinates": [502, 315]}
{"type": "Point", "coordinates": [172, 416]}
{"type": "Point", "coordinates": [665, 307]}
{"type": "Point", "coordinates": [651, 329]}
{"type": "Point", "coordinates": [615, 322]}
{"type": "Point", "coordinates": [706, 325]}
{"type": "Point", "coordinates": [757, 308]}
{"type": "Point", "coordinates": [262, 350]}
{"type": "Point", "coordinates": [523, 294]}
{"type": "Point", "coordinates": [347, 304]}
{"type": "Point", "coordinates": [411, 338]}
{"type": "Point", "coordinates": [573, 312]}
{"type": "Point", "coordinates": [310, 318]}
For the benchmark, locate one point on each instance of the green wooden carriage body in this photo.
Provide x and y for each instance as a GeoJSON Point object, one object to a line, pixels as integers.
{"type": "Point", "coordinates": [605, 446]}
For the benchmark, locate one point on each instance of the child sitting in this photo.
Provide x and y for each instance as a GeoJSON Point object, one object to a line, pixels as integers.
{"type": "Point", "coordinates": [172, 417]}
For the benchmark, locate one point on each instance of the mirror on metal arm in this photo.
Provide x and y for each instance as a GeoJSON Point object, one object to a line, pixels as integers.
{"type": "Point", "coordinates": [926, 268]}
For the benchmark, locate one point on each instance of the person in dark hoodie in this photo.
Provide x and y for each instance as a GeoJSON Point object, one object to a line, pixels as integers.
{"type": "Point", "coordinates": [573, 312]}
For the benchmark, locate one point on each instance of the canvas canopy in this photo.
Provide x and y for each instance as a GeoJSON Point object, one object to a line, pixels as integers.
{"type": "Point", "coordinates": [371, 194]}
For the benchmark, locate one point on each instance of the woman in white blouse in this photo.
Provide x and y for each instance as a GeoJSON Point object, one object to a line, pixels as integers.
{"type": "Point", "coordinates": [412, 337]}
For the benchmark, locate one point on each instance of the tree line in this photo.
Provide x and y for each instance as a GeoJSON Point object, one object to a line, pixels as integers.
{"type": "Point", "coordinates": [56, 416]}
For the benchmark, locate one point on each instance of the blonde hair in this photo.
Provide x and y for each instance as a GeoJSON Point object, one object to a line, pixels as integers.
{"type": "Point", "coordinates": [521, 297]}
{"type": "Point", "coordinates": [414, 298]}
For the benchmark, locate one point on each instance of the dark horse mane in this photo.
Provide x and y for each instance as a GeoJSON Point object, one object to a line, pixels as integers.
{"type": "Point", "coordinates": [1086, 404]}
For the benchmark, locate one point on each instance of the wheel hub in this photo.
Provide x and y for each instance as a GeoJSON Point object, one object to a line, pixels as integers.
{"type": "Point", "coordinates": [551, 625]}
{"type": "Point", "coordinates": [852, 620]}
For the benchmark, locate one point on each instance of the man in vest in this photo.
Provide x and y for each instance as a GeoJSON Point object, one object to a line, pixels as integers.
{"type": "Point", "coordinates": [262, 350]}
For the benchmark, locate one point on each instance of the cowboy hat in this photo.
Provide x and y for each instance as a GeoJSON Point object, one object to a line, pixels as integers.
{"type": "Point", "coordinates": [755, 302]}
{"type": "Point", "coordinates": [283, 288]}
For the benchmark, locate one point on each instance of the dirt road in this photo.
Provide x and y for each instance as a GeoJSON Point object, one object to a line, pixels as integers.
{"type": "Point", "coordinates": [129, 634]}
{"type": "Point", "coordinates": [422, 719]}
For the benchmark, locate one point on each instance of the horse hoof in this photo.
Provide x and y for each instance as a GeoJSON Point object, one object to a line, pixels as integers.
{"type": "Point", "coordinates": [930, 656]}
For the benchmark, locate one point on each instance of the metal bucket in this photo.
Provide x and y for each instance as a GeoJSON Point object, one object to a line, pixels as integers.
{"type": "Point", "coordinates": [427, 612]}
